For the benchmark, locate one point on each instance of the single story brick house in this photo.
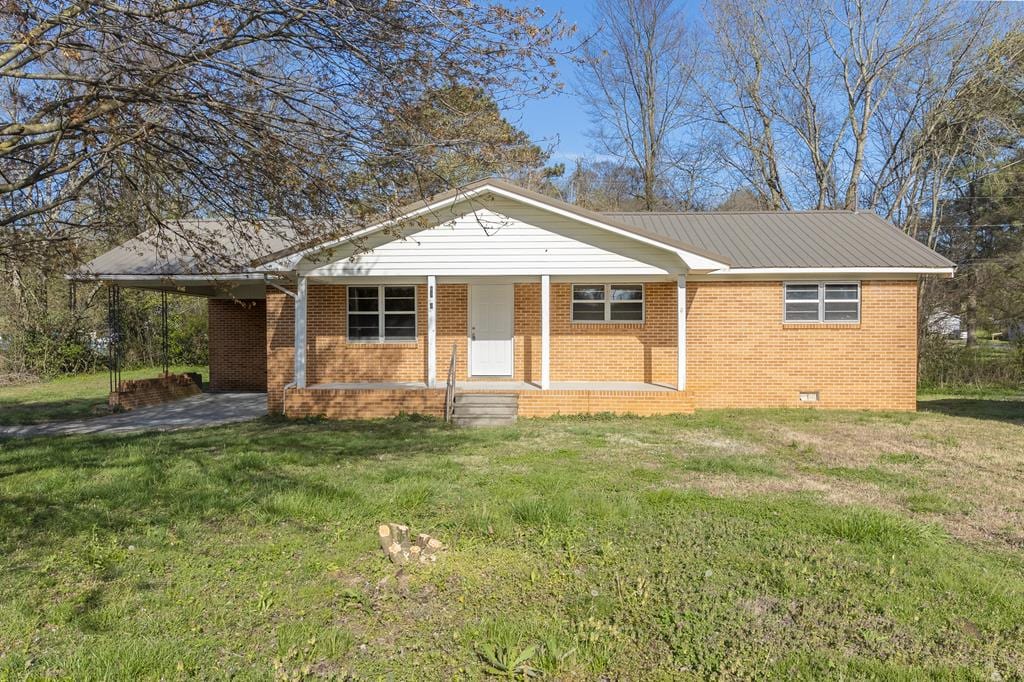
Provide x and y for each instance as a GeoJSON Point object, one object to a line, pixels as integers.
{"type": "Point", "coordinates": [508, 291]}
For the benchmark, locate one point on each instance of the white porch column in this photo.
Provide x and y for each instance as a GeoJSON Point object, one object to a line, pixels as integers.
{"type": "Point", "coordinates": [545, 332]}
{"type": "Point", "coordinates": [300, 333]}
{"type": "Point", "coordinates": [431, 331]}
{"type": "Point", "coordinates": [681, 333]}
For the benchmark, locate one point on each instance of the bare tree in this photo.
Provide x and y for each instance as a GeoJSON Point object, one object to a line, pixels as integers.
{"type": "Point", "coordinates": [635, 75]}
{"type": "Point", "coordinates": [125, 115]}
{"type": "Point", "coordinates": [826, 103]}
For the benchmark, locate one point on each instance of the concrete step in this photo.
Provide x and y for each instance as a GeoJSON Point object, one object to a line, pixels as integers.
{"type": "Point", "coordinates": [485, 410]}
{"type": "Point", "coordinates": [486, 399]}
{"type": "Point", "coordinates": [482, 421]}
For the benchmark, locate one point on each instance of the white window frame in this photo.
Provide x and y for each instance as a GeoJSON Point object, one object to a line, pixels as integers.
{"type": "Point", "coordinates": [607, 302]}
{"type": "Point", "coordinates": [380, 313]}
{"type": "Point", "coordinates": [822, 289]}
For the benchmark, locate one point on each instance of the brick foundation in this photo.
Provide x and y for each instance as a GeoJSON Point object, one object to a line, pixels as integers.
{"type": "Point", "coordinates": [642, 403]}
{"type": "Point", "coordinates": [363, 404]}
{"type": "Point", "coordinates": [135, 393]}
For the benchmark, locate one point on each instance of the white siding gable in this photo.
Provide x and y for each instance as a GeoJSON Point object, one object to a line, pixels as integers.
{"type": "Point", "coordinates": [498, 237]}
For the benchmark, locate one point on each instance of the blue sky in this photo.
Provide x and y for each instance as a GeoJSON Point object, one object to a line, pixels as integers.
{"type": "Point", "coordinates": [559, 120]}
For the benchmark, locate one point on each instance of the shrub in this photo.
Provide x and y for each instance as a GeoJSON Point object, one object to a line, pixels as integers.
{"type": "Point", "coordinates": [946, 364]}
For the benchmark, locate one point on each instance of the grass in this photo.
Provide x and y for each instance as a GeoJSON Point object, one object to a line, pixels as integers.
{"type": "Point", "coordinates": [73, 397]}
{"type": "Point", "coordinates": [738, 544]}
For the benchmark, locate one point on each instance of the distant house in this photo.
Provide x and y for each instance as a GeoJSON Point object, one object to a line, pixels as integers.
{"type": "Point", "coordinates": [566, 309]}
{"type": "Point", "coordinates": [945, 324]}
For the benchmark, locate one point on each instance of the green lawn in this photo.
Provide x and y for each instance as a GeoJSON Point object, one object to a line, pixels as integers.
{"type": "Point", "coordinates": [729, 545]}
{"type": "Point", "coordinates": [71, 397]}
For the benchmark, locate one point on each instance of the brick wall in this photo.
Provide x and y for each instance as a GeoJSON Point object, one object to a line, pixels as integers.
{"type": "Point", "coordinates": [360, 404]}
{"type": "Point", "coordinates": [740, 354]}
{"type": "Point", "coordinates": [643, 403]}
{"type": "Point", "coordinates": [280, 347]}
{"type": "Point", "coordinates": [596, 351]}
{"type": "Point", "coordinates": [331, 358]}
{"type": "Point", "coordinates": [134, 393]}
{"type": "Point", "coordinates": [238, 345]}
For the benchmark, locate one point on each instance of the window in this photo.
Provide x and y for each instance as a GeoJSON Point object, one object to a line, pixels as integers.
{"type": "Point", "coordinates": [822, 302]}
{"type": "Point", "coordinates": [371, 321]}
{"type": "Point", "coordinates": [608, 303]}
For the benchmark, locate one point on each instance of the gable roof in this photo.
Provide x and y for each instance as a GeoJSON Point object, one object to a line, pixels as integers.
{"type": "Point", "coordinates": [494, 186]}
{"type": "Point", "coordinates": [736, 241]}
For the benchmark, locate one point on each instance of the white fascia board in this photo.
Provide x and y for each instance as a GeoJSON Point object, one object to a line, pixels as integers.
{"type": "Point", "coordinates": [757, 272]}
{"type": "Point", "coordinates": [691, 260]}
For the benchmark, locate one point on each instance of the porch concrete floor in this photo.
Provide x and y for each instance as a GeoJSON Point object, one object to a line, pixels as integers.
{"type": "Point", "coordinates": [497, 385]}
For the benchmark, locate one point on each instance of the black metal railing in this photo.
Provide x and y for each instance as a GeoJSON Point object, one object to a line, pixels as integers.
{"type": "Point", "coordinates": [449, 390]}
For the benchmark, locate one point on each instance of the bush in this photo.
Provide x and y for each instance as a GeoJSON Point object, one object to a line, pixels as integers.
{"type": "Point", "coordinates": [188, 338]}
{"type": "Point", "coordinates": [947, 364]}
{"type": "Point", "coordinates": [53, 351]}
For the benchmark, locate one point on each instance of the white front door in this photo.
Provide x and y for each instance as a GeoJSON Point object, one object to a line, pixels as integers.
{"type": "Point", "coordinates": [490, 329]}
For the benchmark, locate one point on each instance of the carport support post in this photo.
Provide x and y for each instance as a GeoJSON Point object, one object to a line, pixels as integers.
{"type": "Point", "coordinates": [681, 333]}
{"type": "Point", "coordinates": [545, 332]}
{"type": "Point", "coordinates": [300, 332]}
{"type": "Point", "coordinates": [164, 340]}
{"type": "Point", "coordinates": [431, 331]}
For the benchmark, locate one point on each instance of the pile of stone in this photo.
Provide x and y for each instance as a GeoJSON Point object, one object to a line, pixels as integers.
{"type": "Point", "coordinates": [396, 543]}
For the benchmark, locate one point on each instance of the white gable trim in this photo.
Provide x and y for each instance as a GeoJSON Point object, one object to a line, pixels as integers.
{"type": "Point", "coordinates": [692, 261]}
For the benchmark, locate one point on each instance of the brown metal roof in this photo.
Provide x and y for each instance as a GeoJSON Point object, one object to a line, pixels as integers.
{"type": "Point", "coordinates": [760, 239]}
{"type": "Point", "coordinates": [191, 247]}
{"type": "Point", "coordinates": [792, 239]}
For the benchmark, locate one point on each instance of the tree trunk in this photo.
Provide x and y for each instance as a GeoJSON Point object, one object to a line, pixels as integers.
{"type": "Point", "coordinates": [971, 319]}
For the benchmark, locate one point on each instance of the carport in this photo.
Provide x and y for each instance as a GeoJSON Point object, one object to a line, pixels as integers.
{"type": "Point", "coordinates": [236, 305]}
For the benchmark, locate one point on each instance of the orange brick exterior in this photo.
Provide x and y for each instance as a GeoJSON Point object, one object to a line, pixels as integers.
{"type": "Point", "coordinates": [358, 404]}
{"type": "Point", "coordinates": [238, 342]}
{"type": "Point", "coordinates": [280, 347]}
{"type": "Point", "coordinates": [642, 403]}
{"type": "Point", "coordinates": [739, 353]}
{"type": "Point", "coordinates": [331, 358]}
{"type": "Point", "coordinates": [594, 351]}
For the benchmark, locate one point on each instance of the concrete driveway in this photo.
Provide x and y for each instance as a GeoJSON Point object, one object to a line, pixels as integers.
{"type": "Point", "coordinates": [207, 409]}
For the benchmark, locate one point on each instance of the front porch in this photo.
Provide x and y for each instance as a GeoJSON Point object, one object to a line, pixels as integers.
{"type": "Point", "coordinates": [535, 337]}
